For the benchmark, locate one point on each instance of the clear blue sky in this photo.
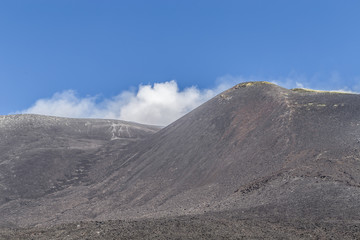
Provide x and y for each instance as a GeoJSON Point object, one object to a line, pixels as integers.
{"type": "Point", "coordinates": [106, 47]}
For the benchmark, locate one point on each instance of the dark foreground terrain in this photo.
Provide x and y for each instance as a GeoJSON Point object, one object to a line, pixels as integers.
{"type": "Point", "coordinates": [256, 161]}
{"type": "Point", "coordinates": [207, 226]}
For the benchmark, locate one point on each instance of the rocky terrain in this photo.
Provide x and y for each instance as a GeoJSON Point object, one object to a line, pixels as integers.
{"type": "Point", "coordinates": [42, 155]}
{"type": "Point", "coordinates": [256, 161]}
{"type": "Point", "coordinates": [224, 225]}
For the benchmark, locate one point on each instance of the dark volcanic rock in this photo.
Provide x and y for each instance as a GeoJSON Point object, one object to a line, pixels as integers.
{"type": "Point", "coordinates": [256, 150]}
{"type": "Point", "coordinates": [256, 144]}
{"type": "Point", "coordinates": [40, 155]}
{"type": "Point", "coordinates": [216, 226]}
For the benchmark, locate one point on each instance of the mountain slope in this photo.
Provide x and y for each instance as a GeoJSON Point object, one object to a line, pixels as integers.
{"type": "Point", "coordinates": [256, 150]}
{"type": "Point", "coordinates": [253, 145]}
{"type": "Point", "coordinates": [40, 154]}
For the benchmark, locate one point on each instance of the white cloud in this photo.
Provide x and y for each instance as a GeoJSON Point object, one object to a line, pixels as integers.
{"type": "Point", "coordinates": [63, 104]}
{"type": "Point", "coordinates": [158, 104]}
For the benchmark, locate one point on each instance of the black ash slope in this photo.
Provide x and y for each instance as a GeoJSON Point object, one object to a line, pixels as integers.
{"type": "Point", "coordinates": [257, 150]}
{"type": "Point", "coordinates": [40, 155]}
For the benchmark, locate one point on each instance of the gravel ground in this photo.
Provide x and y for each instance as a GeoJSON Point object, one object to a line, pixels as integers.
{"type": "Point", "coordinates": [210, 226]}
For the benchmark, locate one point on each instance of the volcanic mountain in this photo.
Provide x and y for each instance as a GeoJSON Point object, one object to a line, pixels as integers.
{"type": "Point", "coordinates": [257, 152]}
{"type": "Point", "coordinates": [40, 155]}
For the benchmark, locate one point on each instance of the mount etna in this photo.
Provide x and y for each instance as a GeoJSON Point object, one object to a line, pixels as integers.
{"type": "Point", "coordinates": [256, 161]}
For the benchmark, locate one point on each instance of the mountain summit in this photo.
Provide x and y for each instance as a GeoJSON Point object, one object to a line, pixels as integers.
{"type": "Point", "coordinates": [257, 150]}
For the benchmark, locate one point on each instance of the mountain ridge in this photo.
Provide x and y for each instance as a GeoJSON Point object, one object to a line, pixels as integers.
{"type": "Point", "coordinates": [256, 149]}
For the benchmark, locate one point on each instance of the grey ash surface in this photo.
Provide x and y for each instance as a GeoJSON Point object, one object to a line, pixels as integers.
{"type": "Point", "coordinates": [256, 161]}
{"type": "Point", "coordinates": [208, 226]}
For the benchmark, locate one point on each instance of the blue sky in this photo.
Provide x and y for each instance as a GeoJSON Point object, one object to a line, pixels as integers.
{"type": "Point", "coordinates": [102, 51]}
